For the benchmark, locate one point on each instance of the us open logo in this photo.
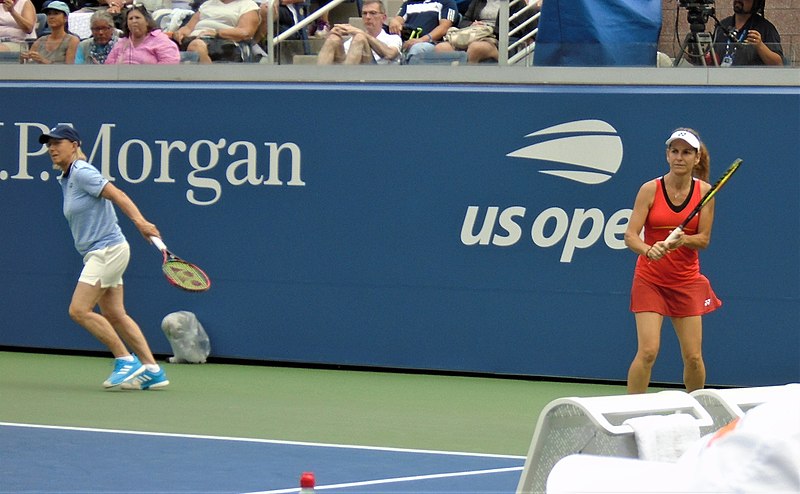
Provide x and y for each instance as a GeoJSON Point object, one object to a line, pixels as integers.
{"type": "Point", "coordinates": [586, 151]}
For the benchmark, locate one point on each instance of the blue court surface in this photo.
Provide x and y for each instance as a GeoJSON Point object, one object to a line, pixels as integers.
{"type": "Point", "coordinates": [49, 459]}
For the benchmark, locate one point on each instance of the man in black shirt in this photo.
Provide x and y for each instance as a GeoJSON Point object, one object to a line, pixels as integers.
{"type": "Point", "coordinates": [747, 38]}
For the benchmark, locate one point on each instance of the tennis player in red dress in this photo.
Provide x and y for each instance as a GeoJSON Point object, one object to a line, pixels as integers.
{"type": "Point", "coordinates": [667, 281]}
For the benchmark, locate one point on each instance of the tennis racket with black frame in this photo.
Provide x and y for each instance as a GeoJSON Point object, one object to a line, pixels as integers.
{"type": "Point", "coordinates": [709, 195]}
{"type": "Point", "coordinates": [180, 273]}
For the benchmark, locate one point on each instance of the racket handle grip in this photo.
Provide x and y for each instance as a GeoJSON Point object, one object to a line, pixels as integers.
{"type": "Point", "coordinates": [673, 235]}
{"type": "Point", "coordinates": [158, 243]}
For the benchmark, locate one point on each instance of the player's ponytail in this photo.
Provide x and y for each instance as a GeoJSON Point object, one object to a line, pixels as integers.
{"type": "Point", "coordinates": [703, 168]}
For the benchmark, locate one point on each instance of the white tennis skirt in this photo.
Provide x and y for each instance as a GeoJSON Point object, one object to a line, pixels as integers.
{"type": "Point", "coordinates": [106, 265]}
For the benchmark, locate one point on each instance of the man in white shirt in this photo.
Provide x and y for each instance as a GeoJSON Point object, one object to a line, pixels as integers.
{"type": "Point", "coordinates": [372, 45]}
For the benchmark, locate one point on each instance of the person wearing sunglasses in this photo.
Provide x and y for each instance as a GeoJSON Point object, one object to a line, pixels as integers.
{"type": "Point", "coordinates": [142, 41]}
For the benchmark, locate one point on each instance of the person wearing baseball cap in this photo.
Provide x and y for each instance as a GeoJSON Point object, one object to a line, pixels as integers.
{"type": "Point", "coordinates": [89, 200]}
{"type": "Point", "coordinates": [59, 46]}
{"type": "Point", "coordinates": [667, 281]}
{"type": "Point", "coordinates": [56, 5]}
{"type": "Point", "coordinates": [61, 132]}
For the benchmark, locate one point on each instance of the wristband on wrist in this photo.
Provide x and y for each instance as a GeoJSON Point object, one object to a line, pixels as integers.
{"type": "Point", "coordinates": [430, 38]}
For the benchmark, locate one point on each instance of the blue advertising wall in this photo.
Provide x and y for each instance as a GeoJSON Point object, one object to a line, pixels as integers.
{"type": "Point", "coordinates": [369, 232]}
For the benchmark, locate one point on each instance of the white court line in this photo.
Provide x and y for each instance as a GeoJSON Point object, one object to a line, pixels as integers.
{"type": "Point", "coordinates": [396, 479]}
{"type": "Point", "coordinates": [263, 441]}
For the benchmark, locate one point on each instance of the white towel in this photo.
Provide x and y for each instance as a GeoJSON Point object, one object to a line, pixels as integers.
{"type": "Point", "coordinates": [664, 437]}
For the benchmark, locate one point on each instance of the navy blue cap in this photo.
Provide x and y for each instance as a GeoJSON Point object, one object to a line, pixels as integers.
{"type": "Point", "coordinates": [60, 132]}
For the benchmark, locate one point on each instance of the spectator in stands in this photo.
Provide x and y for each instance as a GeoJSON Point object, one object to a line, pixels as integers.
{"type": "Point", "coordinates": [94, 5]}
{"type": "Point", "coordinates": [422, 23]}
{"type": "Point", "coordinates": [142, 42]}
{"type": "Point", "coordinates": [371, 45]}
{"type": "Point", "coordinates": [487, 12]}
{"type": "Point", "coordinates": [59, 46]}
{"type": "Point", "coordinates": [667, 281]}
{"type": "Point", "coordinates": [747, 38]}
{"type": "Point", "coordinates": [216, 29]}
{"type": "Point", "coordinates": [322, 27]}
{"type": "Point", "coordinates": [115, 6]}
{"type": "Point", "coordinates": [17, 22]}
{"type": "Point", "coordinates": [95, 50]}
{"type": "Point", "coordinates": [286, 14]}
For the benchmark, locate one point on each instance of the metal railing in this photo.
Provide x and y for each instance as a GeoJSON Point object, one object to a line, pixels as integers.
{"type": "Point", "coordinates": [521, 50]}
{"type": "Point", "coordinates": [273, 40]}
{"type": "Point", "coordinates": [518, 52]}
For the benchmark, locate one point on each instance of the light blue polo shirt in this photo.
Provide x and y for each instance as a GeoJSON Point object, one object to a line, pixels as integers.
{"type": "Point", "coordinates": [91, 218]}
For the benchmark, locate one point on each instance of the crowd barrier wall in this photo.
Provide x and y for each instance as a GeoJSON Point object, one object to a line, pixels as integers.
{"type": "Point", "coordinates": [461, 227]}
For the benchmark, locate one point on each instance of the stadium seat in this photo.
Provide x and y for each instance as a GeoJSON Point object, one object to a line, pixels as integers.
{"type": "Point", "coordinates": [444, 58]}
{"type": "Point", "coordinates": [41, 25]}
{"type": "Point", "coordinates": [596, 426]}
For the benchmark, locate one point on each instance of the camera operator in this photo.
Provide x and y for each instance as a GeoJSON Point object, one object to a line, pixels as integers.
{"type": "Point", "coordinates": [747, 38]}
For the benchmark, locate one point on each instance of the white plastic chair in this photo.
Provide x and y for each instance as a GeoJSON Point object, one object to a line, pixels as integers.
{"type": "Point", "coordinates": [595, 426]}
{"type": "Point", "coordinates": [725, 405]}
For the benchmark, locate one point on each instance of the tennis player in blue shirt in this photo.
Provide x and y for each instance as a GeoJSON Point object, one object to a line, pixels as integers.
{"type": "Point", "coordinates": [89, 200]}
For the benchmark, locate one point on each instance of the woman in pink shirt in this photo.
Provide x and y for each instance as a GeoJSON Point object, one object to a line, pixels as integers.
{"type": "Point", "coordinates": [17, 22]}
{"type": "Point", "coordinates": [142, 42]}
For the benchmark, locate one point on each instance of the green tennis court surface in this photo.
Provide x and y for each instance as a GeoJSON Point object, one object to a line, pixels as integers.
{"type": "Point", "coordinates": [386, 410]}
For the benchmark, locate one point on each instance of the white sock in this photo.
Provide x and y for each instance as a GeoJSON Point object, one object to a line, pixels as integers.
{"type": "Point", "coordinates": [152, 367]}
{"type": "Point", "coordinates": [127, 358]}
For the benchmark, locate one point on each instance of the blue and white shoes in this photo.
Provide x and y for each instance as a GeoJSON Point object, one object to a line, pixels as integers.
{"type": "Point", "coordinates": [147, 380]}
{"type": "Point", "coordinates": [124, 371]}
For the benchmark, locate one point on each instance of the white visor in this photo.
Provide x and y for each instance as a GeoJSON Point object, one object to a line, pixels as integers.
{"type": "Point", "coordinates": [687, 136]}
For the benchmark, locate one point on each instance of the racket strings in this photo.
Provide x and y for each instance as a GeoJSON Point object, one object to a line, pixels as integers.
{"type": "Point", "coordinates": [186, 276]}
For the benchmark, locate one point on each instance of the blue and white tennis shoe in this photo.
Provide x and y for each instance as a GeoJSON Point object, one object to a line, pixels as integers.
{"type": "Point", "coordinates": [147, 380]}
{"type": "Point", "coordinates": [124, 371]}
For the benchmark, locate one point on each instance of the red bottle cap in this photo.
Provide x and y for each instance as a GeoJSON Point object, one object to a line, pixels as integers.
{"type": "Point", "coordinates": [307, 480]}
